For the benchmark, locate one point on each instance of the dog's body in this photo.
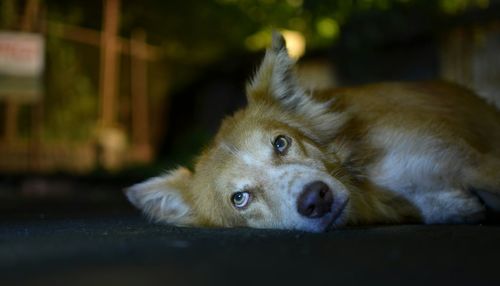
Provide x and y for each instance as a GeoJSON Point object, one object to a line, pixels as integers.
{"type": "Point", "coordinates": [384, 153]}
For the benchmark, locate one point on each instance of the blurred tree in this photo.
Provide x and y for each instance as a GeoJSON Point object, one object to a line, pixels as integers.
{"type": "Point", "coordinates": [195, 33]}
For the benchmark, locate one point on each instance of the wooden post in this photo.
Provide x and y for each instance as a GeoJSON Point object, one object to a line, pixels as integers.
{"type": "Point", "coordinates": [109, 62]}
{"type": "Point", "coordinates": [111, 138]}
{"type": "Point", "coordinates": [139, 93]}
{"type": "Point", "coordinates": [32, 22]}
{"type": "Point", "coordinates": [11, 107]}
{"type": "Point", "coordinates": [30, 16]}
{"type": "Point", "coordinates": [11, 117]}
{"type": "Point", "coordinates": [28, 21]}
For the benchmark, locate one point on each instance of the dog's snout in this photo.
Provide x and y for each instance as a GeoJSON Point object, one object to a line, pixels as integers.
{"type": "Point", "coordinates": [315, 200]}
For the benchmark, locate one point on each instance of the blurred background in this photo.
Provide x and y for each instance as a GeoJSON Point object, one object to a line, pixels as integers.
{"type": "Point", "coordinates": [97, 95]}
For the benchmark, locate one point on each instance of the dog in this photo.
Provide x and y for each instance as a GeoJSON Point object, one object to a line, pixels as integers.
{"type": "Point", "coordinates": [387, 153]}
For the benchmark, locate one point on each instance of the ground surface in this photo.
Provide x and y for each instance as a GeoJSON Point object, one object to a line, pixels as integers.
{"type": "Point", "coordinates": [61, 231]}
{"type": "Point", "coordinates": [123, 249]}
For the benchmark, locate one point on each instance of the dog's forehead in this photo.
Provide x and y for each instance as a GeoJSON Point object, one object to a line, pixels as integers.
{"type": "Point", "coordinates": [252, 148]}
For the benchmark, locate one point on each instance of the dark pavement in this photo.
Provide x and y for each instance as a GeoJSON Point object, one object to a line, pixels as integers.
{"type": "Point", "coordinates": [123, 249]}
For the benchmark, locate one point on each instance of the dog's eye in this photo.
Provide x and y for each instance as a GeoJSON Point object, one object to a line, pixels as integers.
{"type": "Point", "coordinates": [240, 199]}
{"type": "Point", "coordinates": [281, 144]}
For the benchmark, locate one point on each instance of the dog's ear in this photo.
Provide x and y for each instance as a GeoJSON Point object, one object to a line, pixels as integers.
{"type": "Point", "coordinates": [162, 199]}
{"type": "Point", "coordinates": [275, 78]}
{"type": "Point", "coordinates": [275, 82]}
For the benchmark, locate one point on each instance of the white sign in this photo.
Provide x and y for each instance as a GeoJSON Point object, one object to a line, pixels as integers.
{"type": "Point", "coordinates": [21, 66]}
{"type": "Point", "coordinates": [21, 54]}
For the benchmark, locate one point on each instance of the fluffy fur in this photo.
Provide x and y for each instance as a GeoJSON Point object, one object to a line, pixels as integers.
{"type": "Point", "coordinates": [389, 153]}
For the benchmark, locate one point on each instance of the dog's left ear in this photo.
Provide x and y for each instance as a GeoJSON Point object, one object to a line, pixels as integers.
{"type": "Point", "coordinates": [275, 82]}
{"type": "Point", "coordinates": [275, 78]}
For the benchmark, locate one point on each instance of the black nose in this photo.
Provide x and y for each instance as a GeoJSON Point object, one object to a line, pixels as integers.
{"type": "Point", "coordinates": [316, 200]}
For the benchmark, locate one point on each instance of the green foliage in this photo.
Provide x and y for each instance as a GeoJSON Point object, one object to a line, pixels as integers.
{"type": "Point", "coordinates": [71, 98]}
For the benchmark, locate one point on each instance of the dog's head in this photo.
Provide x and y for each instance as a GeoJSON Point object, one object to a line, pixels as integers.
{"type": "Point", "coordinates": [268, 167]}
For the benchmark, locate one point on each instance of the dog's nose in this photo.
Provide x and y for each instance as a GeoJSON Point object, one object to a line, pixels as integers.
{"type": "Point", "coordinates": [315, 200]}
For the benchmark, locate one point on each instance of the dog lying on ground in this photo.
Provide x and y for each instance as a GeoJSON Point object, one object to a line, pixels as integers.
{"type": "Point", "coordinates": [383, 153]}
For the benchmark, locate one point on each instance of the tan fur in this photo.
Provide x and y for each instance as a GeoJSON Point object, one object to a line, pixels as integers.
{"type": "Point", "coordinates": [390, 152]}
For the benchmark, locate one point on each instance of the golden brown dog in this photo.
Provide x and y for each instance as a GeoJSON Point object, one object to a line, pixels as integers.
{"type": "Point", "coordinates": [383, 153]}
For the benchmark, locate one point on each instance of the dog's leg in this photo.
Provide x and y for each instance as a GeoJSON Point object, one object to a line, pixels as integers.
{"type": "Point", "coordinates": [449, 205]}
{"type": "Point", "coordinates": [483, 179]}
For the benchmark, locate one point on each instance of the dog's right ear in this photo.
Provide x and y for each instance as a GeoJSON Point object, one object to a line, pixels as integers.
{"type": "Point", "coordinates": [163, 199]}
